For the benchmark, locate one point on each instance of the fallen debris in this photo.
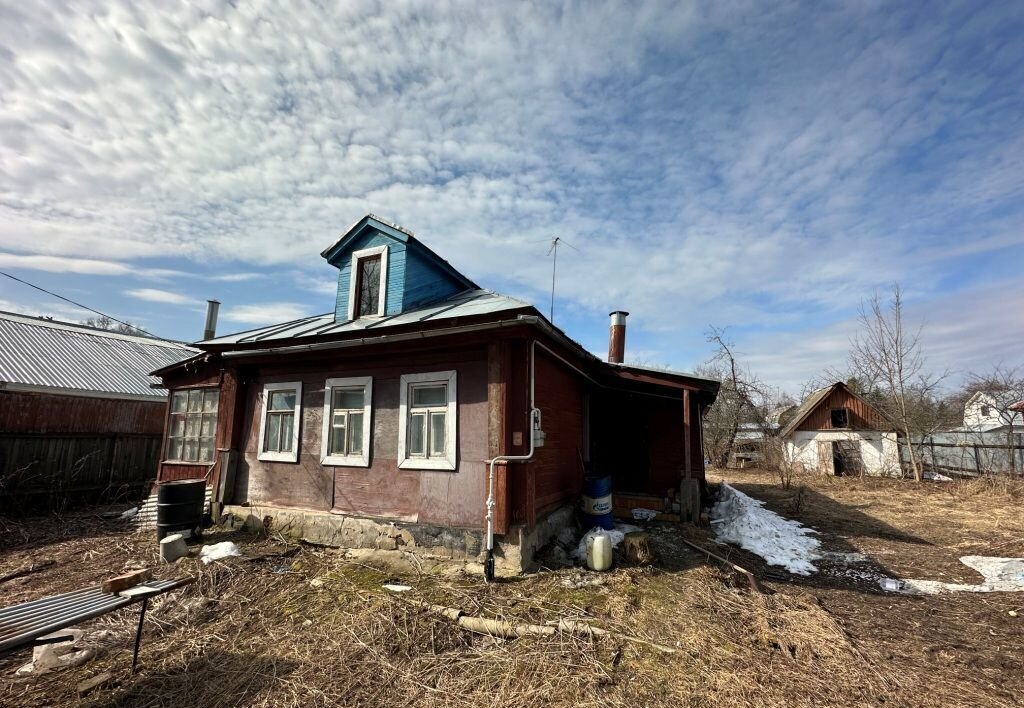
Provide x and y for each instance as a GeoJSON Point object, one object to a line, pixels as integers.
{"type": "Point", "coordinates": [129, 514]}
{"type": "Point", "coordinates": [96, 681]}
{"type": "Point", "coordinates": [28, 569]}
{"type": "Point", "coordinates": [743, 520]}
{"type": "Point", "coordinates": [636, 548]}
{"type": "Point", "coordinates": [751, 578]}
{"type": "Point", "coordinates": [217, 551]}
{"type": "Point", "coordinates": [128, 580]}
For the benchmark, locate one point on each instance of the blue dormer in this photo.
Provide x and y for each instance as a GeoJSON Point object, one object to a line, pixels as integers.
{"type": "Point", "coordinates": [383, 270]}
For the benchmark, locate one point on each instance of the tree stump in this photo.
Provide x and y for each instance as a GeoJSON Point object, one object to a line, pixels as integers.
{"type": "Point", "coordinates": [636, 548]}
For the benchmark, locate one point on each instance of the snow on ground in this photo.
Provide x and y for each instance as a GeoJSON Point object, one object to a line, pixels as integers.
{"type": "Point", "coordinates": [744, 521]}
{"type": "Point", "coordinates": [1001, 575]}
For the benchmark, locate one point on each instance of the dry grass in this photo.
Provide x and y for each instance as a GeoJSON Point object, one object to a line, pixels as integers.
{"type": "Point", "coordinates": [261, 633]}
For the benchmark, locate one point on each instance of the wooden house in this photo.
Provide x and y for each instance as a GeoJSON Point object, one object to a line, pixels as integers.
{"type": "Point", "coordinates": [837, 432]}
{"type": "Point", "coordinates": [80, 419]}
{"type": "Point", "coordinates": [423, 411]}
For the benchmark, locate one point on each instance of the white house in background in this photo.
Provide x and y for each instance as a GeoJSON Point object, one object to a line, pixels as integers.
{"type": "Point", "coordinates": [836, 432]}
{"type": "Point", "coordinates": [991, 411]}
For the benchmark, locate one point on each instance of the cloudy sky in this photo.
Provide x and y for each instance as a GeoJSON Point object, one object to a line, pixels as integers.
{"type": "Point", "coordinates": [756, 166]}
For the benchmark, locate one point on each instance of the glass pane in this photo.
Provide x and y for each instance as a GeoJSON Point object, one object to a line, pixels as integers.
{"type": "Point", "coordinates": [273, 441]}
{"type": "Point", "coordinates": [191, 452]}
{"type": "Point", "coordinates": [417, 433]}
{"type": "Point", "coordinates": [192, 425]}
{"type": "Point", "coordinates": [348, 398]}
{"type": "Point", "coordinates": [206, 450]}
{"type": "Point", "coordinates": [179, 401]}
{"type": "Point", "coordinates": [338, 434]}
{"type": "Point", "coordinates": [210, 401]}
{"type": "Point", "coordinates": [355, 433]}
{"type": "Point", "coordinates": [174, 449]}
{"type": "Point", "coordinates": [287, 421]}
{"type": "Point", "coordinates": [430, 395]}
{"type": "Point", "coordinates": [369, 285]}
{"type": "Point", "coordinates": [195, 399]}
{"type": "Point", "coordinates": [437, 432]}
{"type": "Point", "coordinates": [282, 400]}
{"type": "Point", "coordinates": [209, 425]}
{"type": "Point", "coordinates": [177, 426]}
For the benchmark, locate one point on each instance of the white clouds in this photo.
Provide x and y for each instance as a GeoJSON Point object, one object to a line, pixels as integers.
{"type": "Point", "coordinates": [162, 296]}
{"type": "Point", "coordinates": [730, 162]}
{"type": "Point", "coordinates": [264, 313]}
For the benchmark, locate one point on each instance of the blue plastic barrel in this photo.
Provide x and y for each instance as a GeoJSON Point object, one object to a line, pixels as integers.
{"type": "Point", "coordinates": [597, 502]}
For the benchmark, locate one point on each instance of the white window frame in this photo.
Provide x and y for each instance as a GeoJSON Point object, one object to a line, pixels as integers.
{"type": "Point", "coordinates": [353, 280]}
{"type": "Point", "coordinates": [363, 458]}
{"type": "Point", "coordinates": [447, 462]}
{"type": "Point", "coordinates": [292, 456]}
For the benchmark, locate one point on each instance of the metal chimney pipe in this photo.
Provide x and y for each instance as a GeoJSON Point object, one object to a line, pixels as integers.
{"type": "Point", "coordinates": [617, 337]}
{"type": "Point", "coordinates": [212, 308]}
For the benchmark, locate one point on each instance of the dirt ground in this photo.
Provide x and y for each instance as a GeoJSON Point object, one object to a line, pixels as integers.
{"type": "Point", "coordinates": [300, 625]}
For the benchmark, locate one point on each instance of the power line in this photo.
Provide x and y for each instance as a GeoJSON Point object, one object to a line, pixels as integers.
{"type": "Point", "coordinates": [132, 328]}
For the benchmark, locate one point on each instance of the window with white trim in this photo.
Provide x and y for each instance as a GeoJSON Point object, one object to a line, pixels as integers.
{"type": "Point", "coordinates": [368, 280]}
{"type": "Point", "coordinates": [192, 425]}
{"type": "Point", "coordinates": [427, 421]}
{"type": "Point", "coordinates": [279, 426]}
{"type": "Point", "coordinates": [346, 436]}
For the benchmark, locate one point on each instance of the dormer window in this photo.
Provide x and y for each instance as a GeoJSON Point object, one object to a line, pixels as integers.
{"type": "Point", "coordinates": [368, 283]}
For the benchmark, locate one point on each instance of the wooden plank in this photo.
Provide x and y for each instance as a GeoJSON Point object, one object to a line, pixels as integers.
{"type": "Point", "coordinates": [687, 436]}
{"type": "Point", "coordinates": [128, 580]}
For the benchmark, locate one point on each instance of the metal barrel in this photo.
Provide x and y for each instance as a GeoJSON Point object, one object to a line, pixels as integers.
{"type": "Point", "coordinates": [597, 502]}
{"type": "Point", "coordinates": [179, 506]}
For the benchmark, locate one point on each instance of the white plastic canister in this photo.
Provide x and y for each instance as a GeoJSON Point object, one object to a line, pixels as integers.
{"type": "Point", "coordinates": [599, 552]}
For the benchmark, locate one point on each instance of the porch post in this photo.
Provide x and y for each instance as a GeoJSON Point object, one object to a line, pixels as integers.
{"type": "Point", "coordinates": [687, 436]}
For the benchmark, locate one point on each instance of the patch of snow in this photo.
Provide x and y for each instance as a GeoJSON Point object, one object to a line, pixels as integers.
{"type": "Point", "coordinates": [396, 588]}
{"type": "Point", "coordinates": [615, 535]}
{"type": "Point", "coordinates": [744, 521]}
{"type": "Point", "coordinates": [216, 551]}
{"type": "Point", "coordinates": [936, 477]}
{"type": "Point", "coordinates": [129, 514]}
{"type": "Point", "coordinates": [1001, 575]}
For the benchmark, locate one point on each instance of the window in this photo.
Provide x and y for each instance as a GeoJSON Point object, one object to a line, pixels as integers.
{"type": "Point", "coordinates": [986, 411]}
{"type": "Point", "coordinates": [192, 425]}
{"type": "Point", "coordinates": [368, 280]}
{"type": "Point", "coordinates": [840, 418]}
{"type": "Point", "coordinates": [279, 427]}
{"type": "Point", "coordinates": [346, 435]}
{"type": "Point", "coordinates": [426, 424]}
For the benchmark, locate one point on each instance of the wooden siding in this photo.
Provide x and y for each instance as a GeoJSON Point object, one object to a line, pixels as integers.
{"type": "Point", "coordinates": [36, 413]}
{"type": "Point", "coordinates": [556, 469]}
{"type": "Point", "coordinates": [60, 470]}
{"type": "Point", "coordinates": [861, 415]}
{"type": "Point", "coordinates": [412, 278]}
{"type": "Point", "coordinates": [451, 498]}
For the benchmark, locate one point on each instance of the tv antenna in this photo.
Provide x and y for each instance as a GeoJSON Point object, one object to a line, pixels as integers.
{"type": "Point", "coordinates": [556, 241]}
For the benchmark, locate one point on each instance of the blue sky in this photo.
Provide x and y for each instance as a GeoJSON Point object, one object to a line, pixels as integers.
{"type": "Point", "coordinates": [761, 167]}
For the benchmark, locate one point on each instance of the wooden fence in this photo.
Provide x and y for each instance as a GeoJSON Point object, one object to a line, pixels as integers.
{"type": "Point", "coordinates": [53, 472]}
{"type": "Point", "coordinates": [968, 458]}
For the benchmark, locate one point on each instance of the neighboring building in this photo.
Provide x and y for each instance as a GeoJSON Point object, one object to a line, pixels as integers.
{"type": "Point", "coordinates": [374, 424]}
{"type": "Point", "coordinates": [835, 431]}
{"type": "Point", "coordinates": [992, 411]}
{"type": "Point", "coordinates": [78, 415]}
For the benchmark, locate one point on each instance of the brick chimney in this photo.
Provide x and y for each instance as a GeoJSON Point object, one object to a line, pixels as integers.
{"type": "Point", "coordinates": [617, 337]}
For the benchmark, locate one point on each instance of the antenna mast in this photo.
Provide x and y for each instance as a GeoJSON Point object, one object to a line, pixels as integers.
{"type": "Point", "coordinates": [554, 266]}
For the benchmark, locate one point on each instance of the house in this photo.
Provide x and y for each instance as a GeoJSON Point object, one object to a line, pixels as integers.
{"type": "Point", "coordinates": [424, 412]}
{"type": "Point", "coordinates": [78, 414]}
{"type": "Point", "coordinates": [992, 411]}
{"type": "Point", "coordinates": [836, 431]}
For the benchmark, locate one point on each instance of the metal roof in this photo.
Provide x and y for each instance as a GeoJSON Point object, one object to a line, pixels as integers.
{"type": "Point", "coordinates": [468, 303]}
{"type": "Point", "coordinates": [37, 353]}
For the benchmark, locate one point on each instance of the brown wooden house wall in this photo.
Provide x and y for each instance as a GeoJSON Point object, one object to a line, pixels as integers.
{"type": "Point", "coordinates": [861, 416]}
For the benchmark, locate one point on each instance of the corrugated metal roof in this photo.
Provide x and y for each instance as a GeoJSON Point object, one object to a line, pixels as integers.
{"type": "Point", "coordinates": [60, 355]}
{"type": "Point", "coordinates": [465, 304]}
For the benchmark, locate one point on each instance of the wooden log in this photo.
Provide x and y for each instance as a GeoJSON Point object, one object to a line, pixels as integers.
{"type": "Point", "coordinates": [636, 548]}
{"type": "Point", "coordinates": [128, 580]}
{"type": "Point", "coordinates": [27, 569]}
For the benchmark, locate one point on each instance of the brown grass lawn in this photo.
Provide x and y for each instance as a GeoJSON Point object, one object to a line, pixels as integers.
{"type": "Point", "coordinates": [261, 632]}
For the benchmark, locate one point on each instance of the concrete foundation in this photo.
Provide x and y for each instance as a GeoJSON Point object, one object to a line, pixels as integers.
{"type": "Point", "coordinates": [514, 552]}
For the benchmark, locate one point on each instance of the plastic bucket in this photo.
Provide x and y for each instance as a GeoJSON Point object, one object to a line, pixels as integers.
{"type": "Point", "coordinates": [179, 506]}
{"type": "Point", "coordinates": [597, 502]}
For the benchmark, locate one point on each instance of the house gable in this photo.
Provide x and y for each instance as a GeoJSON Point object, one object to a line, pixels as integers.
{"type": "Point", "coordinates": [815, 413]}
{"type": "Point", "coordinates": [414, 275]}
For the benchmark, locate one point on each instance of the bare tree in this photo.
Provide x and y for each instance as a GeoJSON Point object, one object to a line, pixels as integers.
{"type": "Point", "coordinates": [888, 361]}
{"type": "Point", "coordinates": [107, 323]}
{"type": "Point", "coordinates": [742, 400]}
